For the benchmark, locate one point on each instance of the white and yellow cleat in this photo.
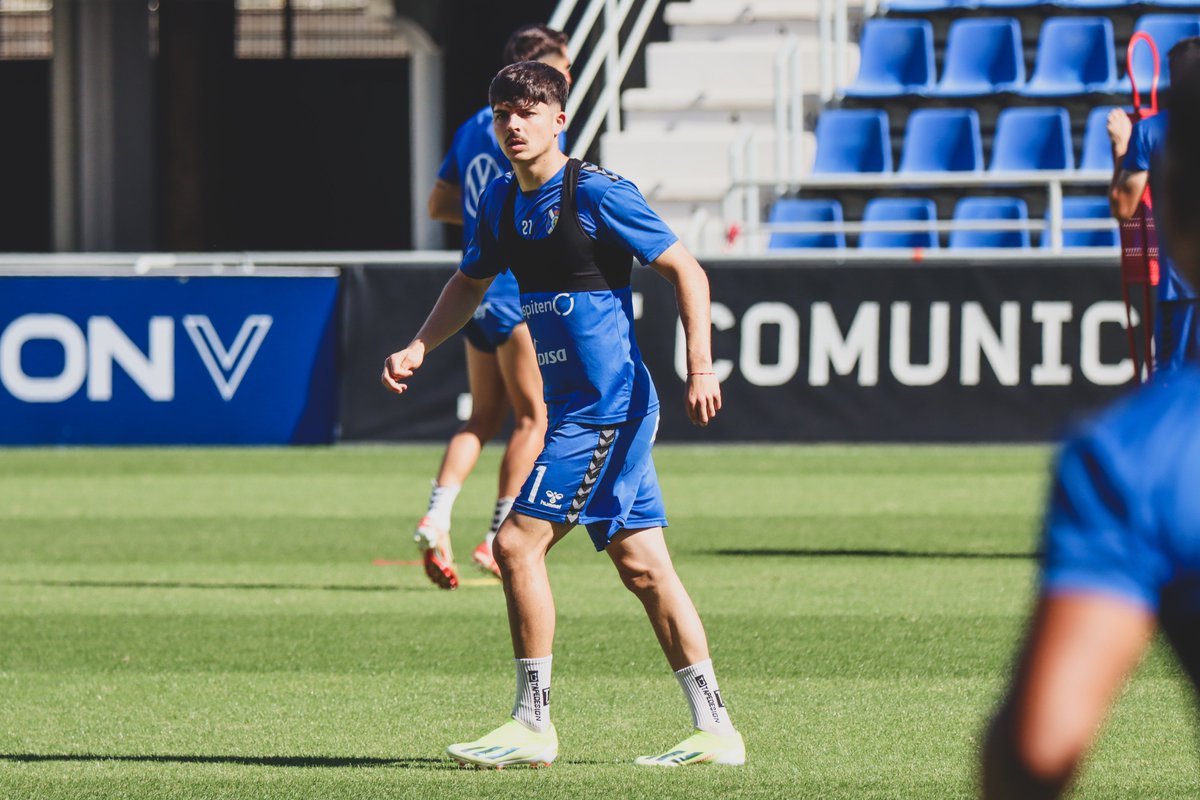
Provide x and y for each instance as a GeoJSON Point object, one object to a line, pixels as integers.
{"type": "Point", "coordinates": [509, 745]}
{"type": "Point", "coordinates": [701, 747]}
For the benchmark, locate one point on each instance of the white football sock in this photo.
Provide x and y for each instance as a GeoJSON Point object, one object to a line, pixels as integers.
{"type": "Point", "coordinates": [441, 503]}
{"type": "Point", "coordinates": [699, 684]}
{"type": "Point", "coordinates": [533, 693]}
{"type": "Point", "coordinates": [503, 506]}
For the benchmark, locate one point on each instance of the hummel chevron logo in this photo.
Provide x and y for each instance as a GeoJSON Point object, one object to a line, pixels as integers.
{"type": "Point", "coordinates": [227, 367]}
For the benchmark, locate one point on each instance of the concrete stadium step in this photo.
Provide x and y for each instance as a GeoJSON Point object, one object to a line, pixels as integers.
{"type": "Point", "coordinates": [714, 20]}
{"type": "Point", "coordinates": [661, 109]}
{"type": "Point", "coordinates": [687, 164]}
{"type": "Point", "coordinates": [730, 65]}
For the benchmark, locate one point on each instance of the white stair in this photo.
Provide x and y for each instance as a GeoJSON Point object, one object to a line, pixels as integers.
{"type": "Point", "coordinates": [713, 20]}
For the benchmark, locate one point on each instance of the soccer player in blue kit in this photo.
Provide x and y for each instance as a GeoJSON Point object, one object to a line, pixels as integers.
{"type": "Point", "coordinates": [1176, 327]}
{"type": "Point", "coordinates": [569, 232]}
{"type": "Point", "coordinates": [502, 369]}
{"type": "Point", "coordinates": [1121, 543]}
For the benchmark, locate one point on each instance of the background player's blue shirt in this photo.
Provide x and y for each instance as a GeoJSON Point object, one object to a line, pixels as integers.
{"type": "Point", "coordinates": [1124, 515]}
{"type": "Point", "coordinates": [475, 160]}
{"type": "Point", "coordinates": [602, 378]}
{"type": "Point", "coordinates": [1146, 143]}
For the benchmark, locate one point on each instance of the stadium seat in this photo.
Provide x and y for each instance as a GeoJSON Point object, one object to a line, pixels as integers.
{"type": "Point", "coordinates": [989, 209]}
{"type": "Point", "coordinates": [899, 209]}
{"type": "Point", "coordinates": [1032, 139]}
{"type": "Point", "coordinates": [1075, 56]}
{"type": "Point", "coordinates": [791, 209]}
{"type": "Point", "coordinates": [897, 59]}
{"type": "Point", "coordinates": [852, 140]}
{"type": "Point", "coordinates": [1085, 208]}
{"type": "Point", "coordinates": [1165, 30]}
{"type": "Point", "coordinates": [999, 4]}
{"type": "Point", "coordinates": [983, 56]}
{"type": "Point", "coordinates": [1094, 5]}
{"type": "Point", "coordinates": [1097, 147]}
{"type": "Point", "coordinates": [942, 140]}
{"type": "Point", "coordinates": [925, 6]}
{"type": "Point", "coordinates": [1173, 3]}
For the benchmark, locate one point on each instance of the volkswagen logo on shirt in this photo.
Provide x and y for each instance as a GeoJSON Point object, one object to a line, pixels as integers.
{"type": "Point", "coordinates": [563, 304]}
{"type": "Point", "coordinates": [482, 170]}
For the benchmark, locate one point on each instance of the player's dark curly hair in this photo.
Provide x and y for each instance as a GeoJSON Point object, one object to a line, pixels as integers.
{"type": "Point", "coordinates": [528, 83]}
{"type": "Point", "coordinates": [1180, 170]}
{"type": "Point", "coordinates": [533, 43]}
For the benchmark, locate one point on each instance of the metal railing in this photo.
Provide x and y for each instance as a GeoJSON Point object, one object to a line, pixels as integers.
{"type": "Point", "coordinates": [610, 54]}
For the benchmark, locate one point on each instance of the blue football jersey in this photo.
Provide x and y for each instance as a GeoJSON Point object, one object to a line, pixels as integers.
{"type": "Point", "coordinates": [475, 160]}
{"type": "Point", "coordinates": [1124, 511]}
{"type": "Point", "coordinates": [587, 351]}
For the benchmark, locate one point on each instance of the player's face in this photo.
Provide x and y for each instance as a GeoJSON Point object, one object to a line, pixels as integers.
{"type": "Point", "coordinates": [526, 133]}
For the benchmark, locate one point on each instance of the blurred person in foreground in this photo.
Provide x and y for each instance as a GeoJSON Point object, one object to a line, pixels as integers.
{"type": "Point", "coordinates": [1136, 148]}
{"type": "Point", "coordinates": [569, 231]}
{"type": "Point", "coordinates": [502, 369]}
{"type": "Point", "coordinates": [1121, 549]}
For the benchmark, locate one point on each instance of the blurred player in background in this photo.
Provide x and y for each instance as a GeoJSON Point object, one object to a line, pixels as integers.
{"type": "Point", "coordinates": [1121, 549]}
{"type": "Point", "coordinates": [569, 232]}
{"type": "Point", "coordinates": [501, 366]}
{"type": "Point", "coordinates": [1136, 148]}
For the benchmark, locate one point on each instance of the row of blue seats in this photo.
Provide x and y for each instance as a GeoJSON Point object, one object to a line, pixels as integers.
{"type": "Point", "coordinates": [918, 210]}
{"type": "Point", "coordinates": [934, 6]}
{"type": "Point", "coordinates": [1075, 55]}
{"type": "Point", "coordinates": [949, 140]}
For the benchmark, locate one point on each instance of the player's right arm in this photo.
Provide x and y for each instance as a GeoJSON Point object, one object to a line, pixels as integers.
{"type": "Point", "coordinates": [1131, 165]}
{"type": "Point", "coordinates": [458, 301]}
{"type": "Point", "coordinates": [445, 203]}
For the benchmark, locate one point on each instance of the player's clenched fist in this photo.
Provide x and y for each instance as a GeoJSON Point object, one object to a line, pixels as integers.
{"type": "Point", "coordinates": [400, 366]}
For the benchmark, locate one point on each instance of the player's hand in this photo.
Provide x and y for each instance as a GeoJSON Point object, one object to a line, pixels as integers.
{"type": "Point", "coordinates": [703, 398]}
{"type": "Point", "coordinates": [1120, 128]}
{"type": "Point", "coordinates": [400, 366]}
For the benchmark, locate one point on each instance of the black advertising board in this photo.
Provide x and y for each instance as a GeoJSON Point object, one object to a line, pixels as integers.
{"type": "Point", "coordinates": [865, 353]}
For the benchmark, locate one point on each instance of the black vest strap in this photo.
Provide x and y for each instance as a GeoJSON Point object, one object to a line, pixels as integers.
{"type": "Point", "coordinates": [568, 260]}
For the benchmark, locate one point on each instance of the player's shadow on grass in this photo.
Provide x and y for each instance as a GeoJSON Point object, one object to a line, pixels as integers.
{"type": "Point", "coordinates": [802, 552]}
{"type": "Point", "coordinates": [251, 761]}
{"type": "Point", "coordinates": [312, 587]}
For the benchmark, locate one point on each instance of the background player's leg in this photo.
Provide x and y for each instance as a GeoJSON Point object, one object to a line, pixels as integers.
{"type": "Point", "coordinates": [489, 403]}
{"type": "Point", "coordinates": [1079, 651]}
{"type": "Point", "coordinates": [523, 384]}
{"type": "Point", "coordinates": [646, 569]}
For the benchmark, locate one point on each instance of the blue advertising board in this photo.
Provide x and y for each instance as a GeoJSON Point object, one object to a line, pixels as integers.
{"type": "Point", "coordinates": [168, 360]}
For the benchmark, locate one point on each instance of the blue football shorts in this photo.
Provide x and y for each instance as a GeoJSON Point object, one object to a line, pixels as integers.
{"type": "Point", "coordinates": [1177, 339]}
{"type": "Point", "coordinates": [492, 324]}
{"type": "Point", "coordinates": [599, 476]}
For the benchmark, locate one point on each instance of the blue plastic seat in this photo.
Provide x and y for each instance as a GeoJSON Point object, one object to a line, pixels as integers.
{"type": "Point", "coordinates": [983, 56]}
{"type": "Point", "coordinates": [1095, 5]}
{"type": "Point", "coordinates": [1173, 3]}
{"type": "Point", "coordinates": [897, 59]}
{"type": "Point", "coordinates": [790, 209]}
{"type": "Point", "coordinates": [853, 140]}
{"type": "Point", "coordinates": [1075, 56]}
{"type": "Point", "coordinates": [925, 6]}
{"type": "Point", "coordinates": [899, 209]}
{"type": "Point", "coordinates": [1086, 208]}
{"type": "Point", "coordinates": [997, 4]}
{"type": "Point", "coordinates": [989, 209]}
{"type": "Point", "coordinates": [1032, 139]}
{"type": "Point", "coordinates": [1097, 147]}
{"type": "Point", "coordinates": [942, 140]}
{"type": "Point", "coordinates": [1165, 30]}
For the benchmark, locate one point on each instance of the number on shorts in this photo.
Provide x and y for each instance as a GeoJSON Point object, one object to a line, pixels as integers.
{"type": "Point", "coordinates": [537, 482]}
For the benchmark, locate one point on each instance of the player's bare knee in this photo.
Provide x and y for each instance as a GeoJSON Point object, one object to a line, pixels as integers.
{"type": "Point", "coordinates": [485, 423]}
{"type": "Point", "coordinates": [640, 578]}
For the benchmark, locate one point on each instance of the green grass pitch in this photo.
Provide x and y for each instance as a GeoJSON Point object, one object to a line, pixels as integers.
{"type": "Point", "coordinates": [210, 624]}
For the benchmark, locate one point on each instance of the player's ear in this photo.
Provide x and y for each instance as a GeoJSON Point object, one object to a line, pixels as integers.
{"type": "Point", "coordinates": [560, 121]}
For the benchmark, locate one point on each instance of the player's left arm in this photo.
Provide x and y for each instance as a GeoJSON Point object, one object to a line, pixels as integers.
{"type": "Point", "coordinates": [677, 265]}
{"type": "Point", "coordinates": [445, 203]}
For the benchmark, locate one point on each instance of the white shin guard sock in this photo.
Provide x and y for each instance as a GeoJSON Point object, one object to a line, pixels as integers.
{"type": "Point", "coordinates": [441, 504]}
{"type": "Point", "coordinates": [533, 693]}
{"type": "Point", "coordinates": [699, 684]}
